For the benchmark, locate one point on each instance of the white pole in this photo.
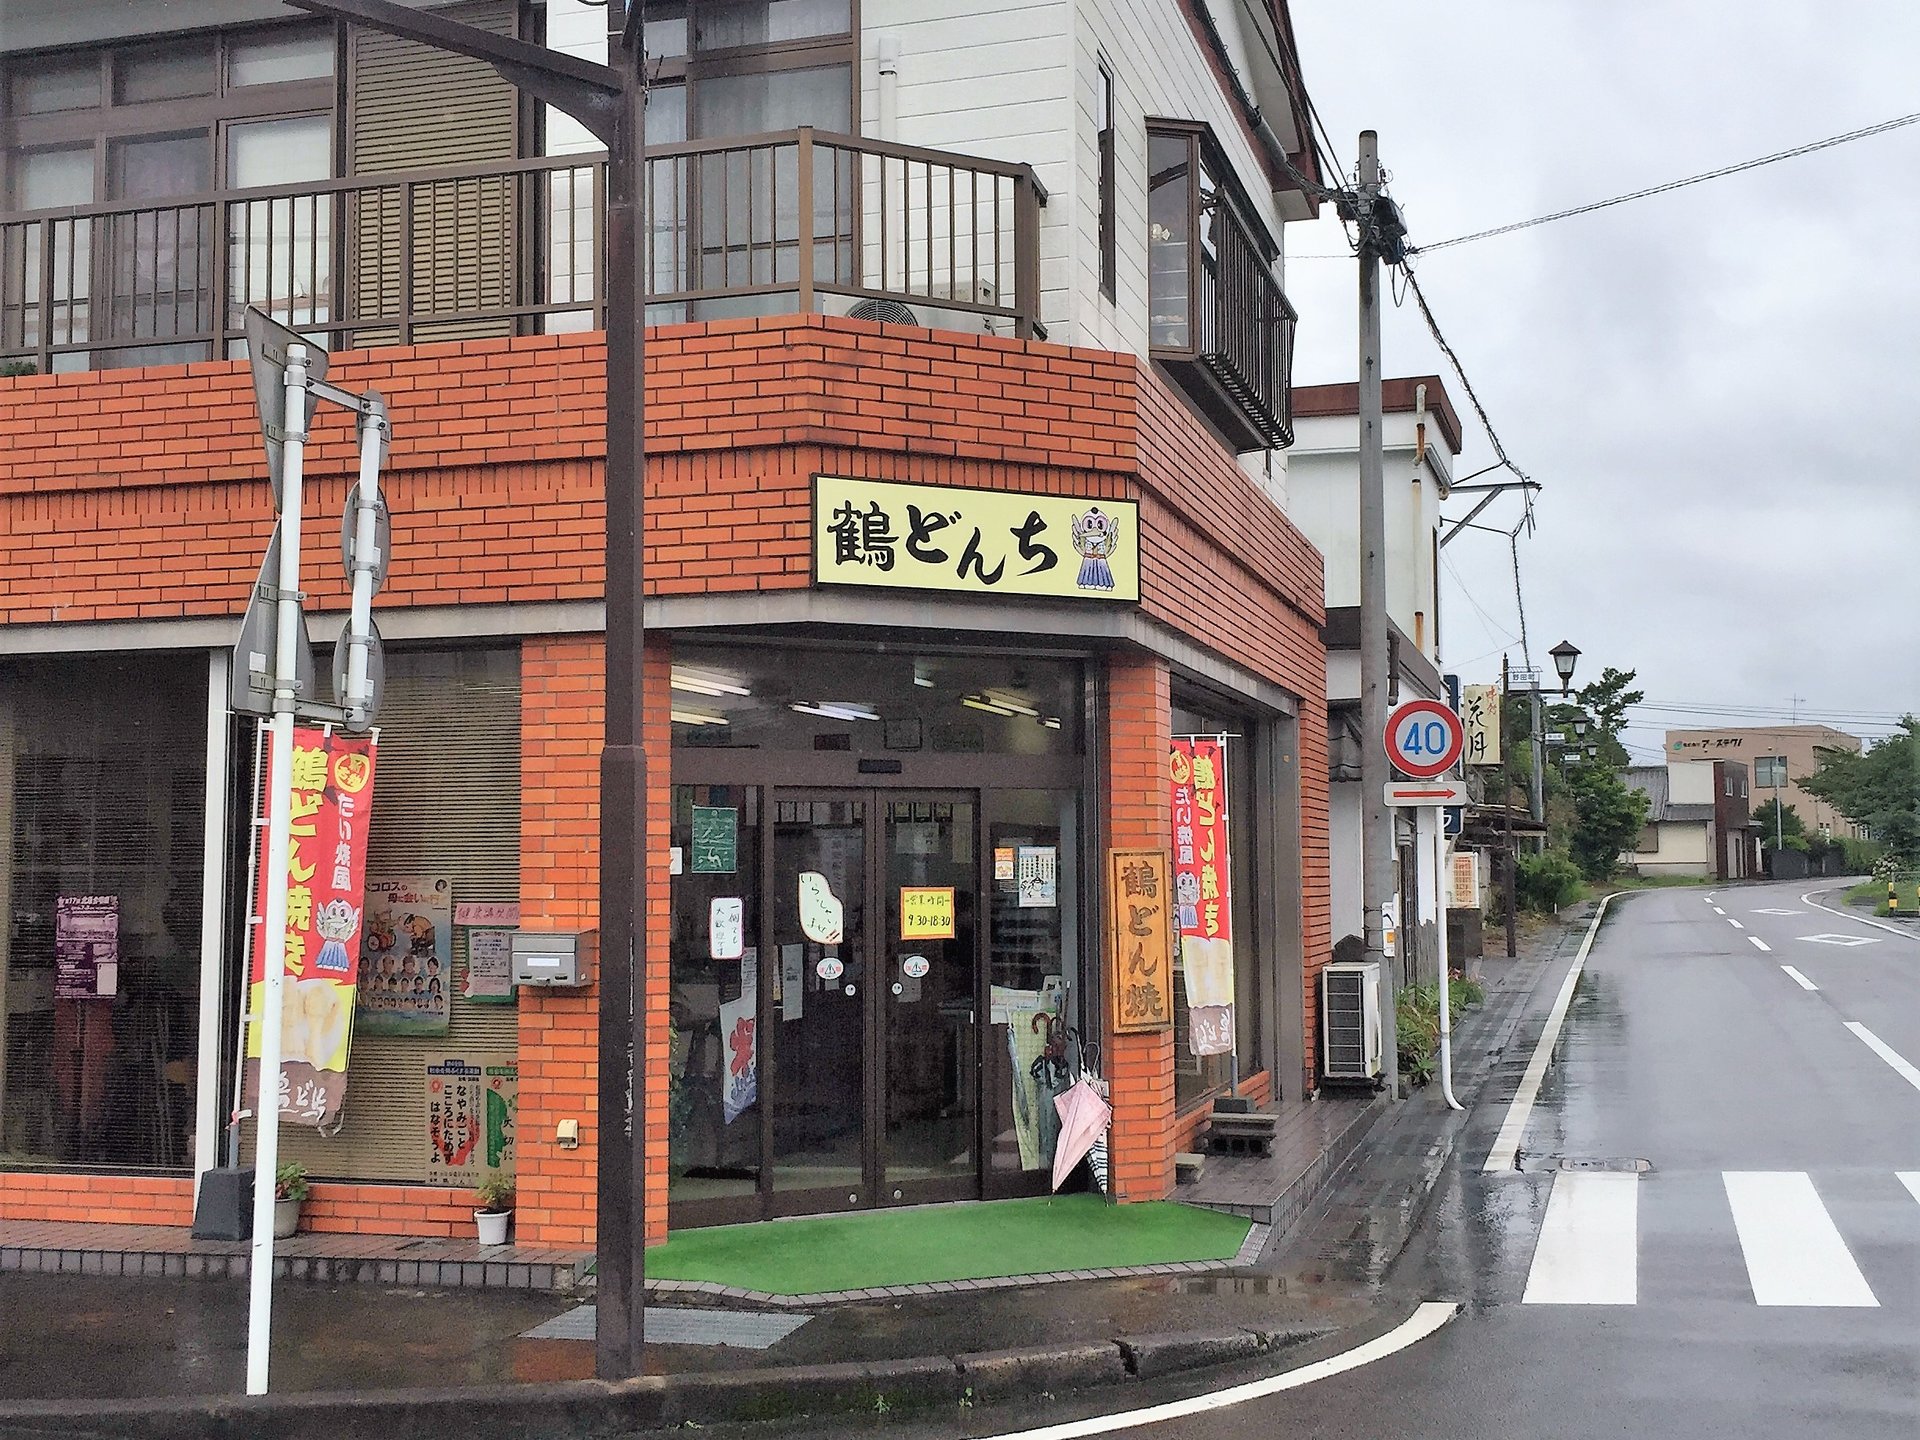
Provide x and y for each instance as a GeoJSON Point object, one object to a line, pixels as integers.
{"type": "Point", "coordinates": [1440, 888]}
{"type": "Point", "coordinates": [373, 441]}
{"type": "Point", "coordinates": [213, 888]}
{"type": "Point", "coordinates": [266, 1153]}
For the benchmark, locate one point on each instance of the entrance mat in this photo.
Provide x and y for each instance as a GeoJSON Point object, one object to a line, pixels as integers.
{"type": "Point", "coordinates": [957, 1246]}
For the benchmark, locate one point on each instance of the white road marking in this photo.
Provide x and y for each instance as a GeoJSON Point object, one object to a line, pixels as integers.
{"type": "Point", "coordinates": [1887, 1053]}
{"type": "Point", "coordinates": [1587, 1252]}
{"type": "Point", "coordinates": [1709, 899]}
{"type": "Point", "coordinates": [1794, 1253]}
{"type": "Point", "coordinates": [1506, 1145]}
{"type": "Point", "coordinates": [1761, 943]}
{"type": "Point", "coordinates": [1807, 899]}
{"type": "Point", "coordinates": [1844, 940]}
{"type": "Point", "coordinates": [1718, 911]}
{"type": "Point", "coordinates": [1735, 923]}
{"type": "Point", "coordinates": [1799, 979]}
{"type": "Point", "coordinates": [1776, 912]}
{"type": "Point", "coordinates": [1911, 1179]}
{"type": "Point", "coordinates": [1426, 1319]}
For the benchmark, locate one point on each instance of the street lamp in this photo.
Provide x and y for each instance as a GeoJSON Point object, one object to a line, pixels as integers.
{"type": "Point", "coordinates": [1580, 727]}
{"type": "Point", "coordinates": [1564, 656]}
{"type": "Point", "coordinates": [610, 101]}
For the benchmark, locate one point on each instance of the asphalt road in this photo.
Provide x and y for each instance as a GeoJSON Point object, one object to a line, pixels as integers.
{"type": "Point", "coordinates": [1713, 1225]}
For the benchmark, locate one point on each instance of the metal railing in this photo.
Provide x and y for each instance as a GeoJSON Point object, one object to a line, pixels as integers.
{"type": "Point", "coordinates": [794, 222]}
{"type": "Point", "coordinates": [1245, 327]}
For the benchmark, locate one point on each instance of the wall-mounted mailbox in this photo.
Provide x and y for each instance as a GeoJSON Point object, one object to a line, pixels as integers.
{"type": "Point", "coordinates": [553, 957]}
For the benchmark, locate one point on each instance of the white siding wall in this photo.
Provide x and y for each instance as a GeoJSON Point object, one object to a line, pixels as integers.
{"type": "Point", "coordinates": [1690, 783]}
{"type": "Point", "coordinates": [987, 78]}
{"type": "Point", "coordinates": [1344, 859]}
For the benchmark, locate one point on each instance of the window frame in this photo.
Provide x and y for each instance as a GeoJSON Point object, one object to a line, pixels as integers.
{"type": "Point", "coordinates": [814, 52]}
{"type": "Point", "coordinates": [1106, 150]}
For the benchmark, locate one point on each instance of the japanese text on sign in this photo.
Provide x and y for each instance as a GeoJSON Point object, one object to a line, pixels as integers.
{"type": "Point", "coordinates": [926, 912]}
{"type": "Point", "coordinates": [1140, 960]}
{"type": "Point", "coordinates": [332, 803]}
{"type": "Point", "coordinates": [941, 537]}
{"type": "Point", "coordinates": [1203, 908]}
{"type": "Point", "coordinates": [1480, 714]}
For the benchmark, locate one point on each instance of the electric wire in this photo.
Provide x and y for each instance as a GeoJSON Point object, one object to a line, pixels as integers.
{"type": "Point", "coordinates": [1863, 133]}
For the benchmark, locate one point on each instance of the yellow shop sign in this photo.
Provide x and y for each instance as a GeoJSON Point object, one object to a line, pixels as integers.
{"type": "Point", "coordinates": [976, 542]}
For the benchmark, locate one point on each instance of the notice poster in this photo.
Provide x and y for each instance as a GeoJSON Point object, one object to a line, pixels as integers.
{"type": "Point", "coordinates": [1203, 914]}
{"type": "Point", "coordinates": [740, 1041]}
{"type": "Point", "coordinates": [1003, 868]}
{"type": "Point", "coordinates": [406, 958]}
{"type": "Point", "coordinates": [489, 978]}
{"type": "Point", "coordinates": [926, 912]}
{"type": "Point", "coordinates": [726, 927]}
{"type": "Point", "coordinates": [716, 839]}
{"type": "Point", "coordinates": [821, 918]}
{"type": "Point", "coordinates": [1463, 880]}
{"type": "Point", "coordinates": [86, 947]}
{"type": "Point", "coordinates": [1038, 867]}
{"type": "Point", "coordinates": [1140, 954]}
{"type": "Point", "coordinates": [793, 982]}
{"type": "Point", "coordinates": [326, 862]}
{"type": "Point", "coordinates": [471, 1108]}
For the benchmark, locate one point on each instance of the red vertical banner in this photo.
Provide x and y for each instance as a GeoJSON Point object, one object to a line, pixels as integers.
{"type": "Point", "coordinates": [1203, 899]}
{"type": "Point", "coordinates": [326, 878]}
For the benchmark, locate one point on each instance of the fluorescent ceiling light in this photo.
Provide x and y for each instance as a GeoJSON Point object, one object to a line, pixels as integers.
{"type": "Point", "coordinates": [977, 702]}
{"type": "Point", "coordinates": [706, 682]}
{"type": "Point", "coordinates": [1012, 702]}
{"type": "Point", "coordinates": [697, 717]}
{"type": "Point", "coordinates": [835, 710]}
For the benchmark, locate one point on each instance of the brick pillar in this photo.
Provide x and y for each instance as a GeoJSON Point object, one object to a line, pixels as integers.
{"type": "Point", "coordinates": [562, 725]}
{"type": "Point", "coordinates": [1139, 814]}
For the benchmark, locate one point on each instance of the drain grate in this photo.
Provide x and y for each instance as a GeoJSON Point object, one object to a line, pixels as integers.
{"type": "Point", "coordinates": [1617, 1167]}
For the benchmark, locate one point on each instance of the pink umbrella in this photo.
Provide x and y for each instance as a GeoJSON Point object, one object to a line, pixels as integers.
{"type": "Point", "coordinates": [1083, 1123]}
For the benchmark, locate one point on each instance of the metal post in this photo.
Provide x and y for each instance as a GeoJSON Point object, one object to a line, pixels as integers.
{"type": "Point", "coordinates": [620, 1228]}
{"type": "Point", "coordinates": [366, 503]}
{"type": "Point", "coordinates": [1506, 804]}
{"type": "Point", "coordinates": [1446, 1008]}
{"type": "Point", "coordinates": [1376, 819]}
{"type": "Point", "coordinates": [289, 636]}
{"type": "Point", "coordinates": [1538, 805]}
{"type": "Point", "coordinates": [213, 890]}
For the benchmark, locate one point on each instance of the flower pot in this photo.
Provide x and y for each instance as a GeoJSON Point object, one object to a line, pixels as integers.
{"type": "Point", "coordinates": [492, 1225]}
{"type": "Point", "coordinates": [286, 1218]}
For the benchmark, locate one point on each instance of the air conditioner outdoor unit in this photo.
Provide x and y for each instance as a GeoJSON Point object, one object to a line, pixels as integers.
{"type": "Point", "coordinates": [931, 316]}
{"type": "Point", "coordinates": [1350, 1021]}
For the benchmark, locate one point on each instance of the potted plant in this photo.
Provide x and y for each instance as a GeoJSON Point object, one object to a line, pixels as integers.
{"type": "Point", "coordinates": [289, 1190]}
{"type": "Point", "coordinates": [496, 1208]}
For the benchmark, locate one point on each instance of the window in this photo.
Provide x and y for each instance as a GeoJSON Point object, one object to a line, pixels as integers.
{"type": "Point", "coordinates": [1769, 771]}
{"type": "Point", "coordinates": [1109, 242]}
{"type": "Point", "coordinates": [1217, 317]}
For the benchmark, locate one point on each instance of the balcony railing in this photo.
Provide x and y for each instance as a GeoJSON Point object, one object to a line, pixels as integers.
{"type": "Point", "coordinates": [794, 222]}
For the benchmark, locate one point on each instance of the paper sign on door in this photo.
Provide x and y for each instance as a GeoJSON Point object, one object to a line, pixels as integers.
{"type": "Point", "coordinates": [726, 927]}
{"type": "Point", "coordinates": [820, 916]}
{"type": "Point", "coordinates": [926, 912]}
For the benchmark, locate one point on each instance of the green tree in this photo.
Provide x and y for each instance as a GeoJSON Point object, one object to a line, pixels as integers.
{"type": "Point", "coordinates": [1605, 702]}
{"type": "Point", "coordinates": [1878, 788]}
{"type": "Point", "coordinates": [1607, 817]}
{"type": "Point", "coordinates": [1791, 826]}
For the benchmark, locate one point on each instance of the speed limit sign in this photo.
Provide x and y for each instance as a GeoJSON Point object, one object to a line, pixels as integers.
{"type": "Point", "coordinates": [1424, 738]}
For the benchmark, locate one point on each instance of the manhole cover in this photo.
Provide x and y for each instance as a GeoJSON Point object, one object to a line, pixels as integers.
{"type": "Point", "coordinates": [1623, 1167]}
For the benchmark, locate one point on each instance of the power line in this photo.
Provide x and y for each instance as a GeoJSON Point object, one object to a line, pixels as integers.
{"type": "Point", "coordinates": [1863, 133]}
{"type": "Point", "coordinates": [1433, 327]}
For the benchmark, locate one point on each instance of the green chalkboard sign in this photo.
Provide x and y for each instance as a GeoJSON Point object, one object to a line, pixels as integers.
{"type": "Point", "coordinates": [716, 840]}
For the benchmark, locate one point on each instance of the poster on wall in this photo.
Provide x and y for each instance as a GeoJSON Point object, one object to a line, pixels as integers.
{"type": "Point", "coordinates": [406, 957]}
{"type": "Point", "coordinates": [740, 1040]}
{"type": "Point", "coordinates": [489, 977]}
{"type": "Point", "coordinates": [1197, 772]}
{"type": "Point", "coordinates": [1140, 953]}
{"type": "Point", "coordinates": [472, 1104]}
{"type": "Point", "coordinates": [86, 947]}
{"type": "Point", "coordinates": [326, 863]}
{"type": "Point", "coordinates": [1039, 877]}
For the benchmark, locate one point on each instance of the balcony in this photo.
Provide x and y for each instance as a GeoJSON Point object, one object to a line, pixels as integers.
{"type": "Point", "coordinates": [792, 222]}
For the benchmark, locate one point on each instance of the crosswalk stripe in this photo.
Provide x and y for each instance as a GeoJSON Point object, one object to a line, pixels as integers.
{"type": "Point", "coordinates": [1794, 1252]}
{"type": "Point", "coordinates": [1586, 1253]}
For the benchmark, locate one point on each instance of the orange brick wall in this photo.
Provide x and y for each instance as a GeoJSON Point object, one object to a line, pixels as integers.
{"type": "Point", "coordinates": [1139, 814]}
{"type": "Point", "coordinates": [105, 1199]}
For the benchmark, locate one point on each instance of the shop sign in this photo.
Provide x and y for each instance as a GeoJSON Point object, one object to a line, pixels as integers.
{"type": "Point", "coordinates": [1202, 868]}
{"type": "Point", "coordinates": [86, 947]}
{"type": "Point", "coordinates": [488, 912]}
{"type": "Point", "coordinates": [406, 958]}
{"type": "Point", "coordinates": [926, 912]}
{"type": "Point", "coordinates": [472, 1104]}
{"type": "Point", "coordinates": [1480, 713]}
{"type": "Point", "coordinates": [1140, 967]}
{"type": "Point", "coordinates": [326, 863]}
{"type": "Point", "coordinates": [977, 542]}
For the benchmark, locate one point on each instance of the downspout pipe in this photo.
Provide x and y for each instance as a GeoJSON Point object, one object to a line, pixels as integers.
{"type": "Point", "coordinates": [889, 57]}
{"type": "Point", "coordinates": [1262, 130]}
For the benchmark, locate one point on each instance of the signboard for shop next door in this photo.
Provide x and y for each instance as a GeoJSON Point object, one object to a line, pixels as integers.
{"type": "Point", "coordinates": [974, 542]}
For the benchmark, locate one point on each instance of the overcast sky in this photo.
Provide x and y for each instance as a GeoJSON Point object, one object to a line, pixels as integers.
{"type": "Point", "coordinates": [1719, 389]}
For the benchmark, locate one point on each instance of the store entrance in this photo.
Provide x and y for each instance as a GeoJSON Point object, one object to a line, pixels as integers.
{"type": "Point", "coordinates": [872, 1055]}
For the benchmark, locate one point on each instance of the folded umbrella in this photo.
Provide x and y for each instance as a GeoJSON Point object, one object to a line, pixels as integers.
{"type": "Point", "coordinates": [1083, 1122]}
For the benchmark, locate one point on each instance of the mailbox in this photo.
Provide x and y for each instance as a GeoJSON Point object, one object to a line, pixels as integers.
{"type": "Point", "coordinates": [553, 957]}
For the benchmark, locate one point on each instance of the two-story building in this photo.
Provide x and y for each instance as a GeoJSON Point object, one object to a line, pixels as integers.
{"type": "Point", "coordinates": [968, 393]}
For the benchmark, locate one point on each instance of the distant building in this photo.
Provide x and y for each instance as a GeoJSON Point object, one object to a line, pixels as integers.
{"type": "Point", "coordinates": [1698, 820]}
{"type": "Point", "coordinates": [1793, 749]}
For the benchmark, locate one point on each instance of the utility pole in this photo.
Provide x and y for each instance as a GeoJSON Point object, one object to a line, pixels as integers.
{"type": "Point", "coordinates": [1506, 805]}
{"type": "Point", "coordinates": [1376, 818]}
{"type": "Point", "coordinates": [610, 101]}
{"type": "Point", "coordinates": [1538, 800]}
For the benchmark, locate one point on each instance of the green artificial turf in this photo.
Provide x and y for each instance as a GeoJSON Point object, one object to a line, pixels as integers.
{"type": "Point", "coordinates": [945, 1242]}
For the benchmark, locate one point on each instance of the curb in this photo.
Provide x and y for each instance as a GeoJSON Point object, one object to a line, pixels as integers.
{"type": "Point", "coordinates": [594, 1408]}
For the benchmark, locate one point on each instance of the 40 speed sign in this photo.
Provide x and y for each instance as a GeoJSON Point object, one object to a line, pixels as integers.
{"type": "Point", "coordinates": [1424, 738]}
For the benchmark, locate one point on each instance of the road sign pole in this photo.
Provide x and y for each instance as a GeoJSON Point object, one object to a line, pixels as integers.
{"type": "Point", "coordinates": [288, 636]}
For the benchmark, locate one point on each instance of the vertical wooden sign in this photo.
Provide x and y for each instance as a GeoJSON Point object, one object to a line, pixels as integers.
{"type": "Point", "coordinates": [1140, 966]}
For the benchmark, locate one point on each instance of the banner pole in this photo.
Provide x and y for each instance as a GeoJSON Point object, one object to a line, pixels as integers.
{"type": "Point", "coordinates": [252, 938]}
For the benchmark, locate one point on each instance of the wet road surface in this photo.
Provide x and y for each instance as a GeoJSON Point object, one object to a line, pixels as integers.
{"type": "Point", "coordinates": [1713, 1226]}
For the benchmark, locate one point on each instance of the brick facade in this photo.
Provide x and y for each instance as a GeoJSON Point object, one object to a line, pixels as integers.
{"type": "Point", "coordinates": [137, 495]}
